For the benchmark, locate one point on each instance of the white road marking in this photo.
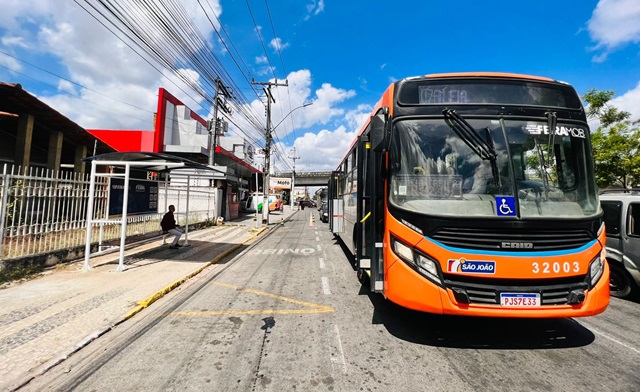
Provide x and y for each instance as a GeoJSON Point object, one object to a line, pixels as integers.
{"type": "Point", "coordinates": [340, 357]}
{"type": "Point", "coordinates": [325, 286]}
{"type": "Point", "coordinates": [604, 335]}
{"type": "Point", "coordinates": [317, 238]}
{"type": "Point", "coordinates": [319, 247]}
{"type": "Point", "coordinates": [322, 263]}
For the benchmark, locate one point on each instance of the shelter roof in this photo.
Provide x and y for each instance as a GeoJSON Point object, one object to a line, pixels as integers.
{"type": "Point", "coordinates": [149, 161]}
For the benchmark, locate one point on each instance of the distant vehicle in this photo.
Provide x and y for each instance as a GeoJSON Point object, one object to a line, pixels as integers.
{"type": "Point", "coordinates": [622, 222]}
{"type": "Point", "coordinates": [324, 212]}
{"type": "Point", "coordinates": [275, 203]}
{"type": "Point", "coordinates": [307, 203]}
{"type": "Point", "coordinates": [248, 203]}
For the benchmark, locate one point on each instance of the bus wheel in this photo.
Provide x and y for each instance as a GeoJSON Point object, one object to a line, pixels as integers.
{"type": "Point", "coordinates": [620, 283]}
{"type": "Point", "coordinates": [363, 278]}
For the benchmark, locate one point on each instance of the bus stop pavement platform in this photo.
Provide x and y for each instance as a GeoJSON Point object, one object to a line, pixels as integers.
{"type": "Point", "coordinates": [45, 320]}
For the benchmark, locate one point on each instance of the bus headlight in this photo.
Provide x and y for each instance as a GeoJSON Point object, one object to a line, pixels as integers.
{"type": "Point", "coordinates": [403, 251]}
{"type": "Point", "coordinates": [425, 265]}
{"type": "Point", "coordinates": [428, 268]}
{"type": "Point", "coordinates": [595, 269]}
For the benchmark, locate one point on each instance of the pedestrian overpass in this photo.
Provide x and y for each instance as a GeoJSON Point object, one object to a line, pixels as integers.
{"type": "Point", "coordinates": [308, 178]}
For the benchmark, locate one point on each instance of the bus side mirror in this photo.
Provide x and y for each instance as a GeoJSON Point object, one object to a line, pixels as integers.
{"type": "Point", "coordinates": [378, 135]}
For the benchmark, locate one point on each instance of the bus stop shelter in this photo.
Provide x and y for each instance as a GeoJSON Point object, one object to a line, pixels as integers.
{"type": "Point", "coordinates": [144, 161]}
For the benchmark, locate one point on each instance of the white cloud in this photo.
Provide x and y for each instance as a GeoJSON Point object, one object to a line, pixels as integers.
{"type": "Point", "coordinates": [18, 13]}
{"type": "Point", "coordinates": [14, 41]}
{"type": "Point", "coordinates": [67, 86]}
{"type": "Point", "coordinates": [630, 102]}
{"type": "Point", "coordinates": [286, 113]}
{"type": "Point", "coordinates": [277, 45]}
{"type": "Point", "coordinates": [324, 150]}
{"type": "Point", "coordinates": [314, 8]}
{"type": "Point", "coordinates": [10, 63]}
{"type": "Point", "coordinates": [613, 24]}
{"type": "Point", "coordinates": [356, 118]}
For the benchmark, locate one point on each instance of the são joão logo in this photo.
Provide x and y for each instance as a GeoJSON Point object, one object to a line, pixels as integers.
{"type": "Point", "coordinates": [463, 265]}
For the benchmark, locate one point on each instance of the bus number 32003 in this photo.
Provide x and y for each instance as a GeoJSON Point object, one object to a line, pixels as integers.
{"type": "Point", "coordinates": [555, 268]}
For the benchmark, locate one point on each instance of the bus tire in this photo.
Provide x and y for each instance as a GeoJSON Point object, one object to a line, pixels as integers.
{"type": "Point", "coordinates": [363, 278]}
{"type": "Point", "coordinates": [621, 285]}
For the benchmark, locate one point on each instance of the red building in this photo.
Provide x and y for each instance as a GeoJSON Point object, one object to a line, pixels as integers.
{"type": "Point", "coordinates": [182, 132]}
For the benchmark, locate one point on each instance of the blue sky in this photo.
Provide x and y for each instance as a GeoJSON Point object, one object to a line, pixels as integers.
{"type": "Point", "coordinates": [341, 55]}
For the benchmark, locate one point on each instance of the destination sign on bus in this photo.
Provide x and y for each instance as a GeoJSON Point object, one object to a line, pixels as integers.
{"type": "Point", "coordinates": [435, 186]}
{"type": "Point", "coordinates": [488, 93]}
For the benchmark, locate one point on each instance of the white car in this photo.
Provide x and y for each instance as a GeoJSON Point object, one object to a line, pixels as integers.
{"type": "Point", "coordinates": [622, 223]}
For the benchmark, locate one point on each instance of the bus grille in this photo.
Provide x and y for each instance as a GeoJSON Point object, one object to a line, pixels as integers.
{"type": "Point", "coordinates": [488, 293]}
{"type": "Point", "coordinates": [492, 239]}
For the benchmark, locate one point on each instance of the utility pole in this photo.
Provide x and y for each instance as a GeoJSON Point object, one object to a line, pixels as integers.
{"type": "Point", "coordinates": [293, 177]}
{"type": "Point", "coordinates": [267, 148]}
{"type": "Point", "coordinates": [215, 126]}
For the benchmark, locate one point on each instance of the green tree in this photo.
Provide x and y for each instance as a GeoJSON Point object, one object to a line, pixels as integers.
{"type": "Point", "coordinates": [615, 143]}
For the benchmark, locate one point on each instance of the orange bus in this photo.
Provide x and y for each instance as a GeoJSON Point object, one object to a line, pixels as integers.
{"type": "Point", "coordinates": [474, 194]}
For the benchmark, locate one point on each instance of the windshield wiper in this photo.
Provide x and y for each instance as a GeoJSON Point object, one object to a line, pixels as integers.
{"type": "Point", "coordinates": [543, 168]}
{"type": "Point", "coordinates": [552, 120]}
{"type": "Point", "coordinates": [545, 162]}
{"type": "Point", "coordinates": [485, 149]}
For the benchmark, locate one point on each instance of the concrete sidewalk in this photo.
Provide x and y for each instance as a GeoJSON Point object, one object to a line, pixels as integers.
{"type": "Point", "coordinates": [45, 320]}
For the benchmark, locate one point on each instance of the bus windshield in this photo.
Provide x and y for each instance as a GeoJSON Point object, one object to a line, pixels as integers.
{"type": "Point", "coordinates": [524, 172]}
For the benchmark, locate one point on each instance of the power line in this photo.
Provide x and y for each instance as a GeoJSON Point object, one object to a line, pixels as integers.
{"type": "Point", "coordinates": [264, 49]}
{"type": "Point", "coordinates": [169, 37]}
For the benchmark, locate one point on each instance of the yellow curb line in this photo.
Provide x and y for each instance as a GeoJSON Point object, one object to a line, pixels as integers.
{"type": "Point", "coordinates": [153, 298]}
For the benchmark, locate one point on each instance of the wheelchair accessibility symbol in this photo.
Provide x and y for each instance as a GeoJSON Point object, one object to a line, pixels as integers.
{"type": "Point", "coordinates": [506, 205]}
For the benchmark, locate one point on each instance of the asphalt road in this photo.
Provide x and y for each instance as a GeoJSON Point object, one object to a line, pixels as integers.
{"type": "Point", "coordinates": [288, 314]}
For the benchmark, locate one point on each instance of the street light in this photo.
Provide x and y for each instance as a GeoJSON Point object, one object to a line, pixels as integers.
{"type": "Point", "coordinates": [304, 105]}
{"type": "Point", "coordinates": [266, 185]}
{"type": "Point", "coordinates": [293, 173]}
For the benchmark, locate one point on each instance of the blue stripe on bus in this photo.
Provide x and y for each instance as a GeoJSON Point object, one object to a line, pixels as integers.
{"type": "Point", "coordinates": [515, 254]}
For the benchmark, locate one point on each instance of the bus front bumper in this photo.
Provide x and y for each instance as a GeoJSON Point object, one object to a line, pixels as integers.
{"type": "Point", "coordinates": [405, 287]}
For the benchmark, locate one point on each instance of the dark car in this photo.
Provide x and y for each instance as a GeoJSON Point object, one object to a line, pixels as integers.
{"type": "Point", "coordinates": [307, 203]}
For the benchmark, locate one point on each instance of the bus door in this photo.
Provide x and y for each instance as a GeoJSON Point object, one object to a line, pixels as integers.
{"type": "Point", "coordinates": [373, 219]}
{"type": "Point", "coordinates": [362, 231]}
{"type": "Point", "coordinates": [335, 204]}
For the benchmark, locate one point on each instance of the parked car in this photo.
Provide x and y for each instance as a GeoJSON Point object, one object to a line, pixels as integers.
{"type": "Point", "coordinates": [622, 222]}
{"type": "Point", "coordinates": [324, 212]}
{"type": "Point", "coordinates": [275, 203]}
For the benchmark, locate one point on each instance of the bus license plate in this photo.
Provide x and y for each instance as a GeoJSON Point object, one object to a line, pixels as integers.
{"type": "Point", "coordinates": [522, 300]}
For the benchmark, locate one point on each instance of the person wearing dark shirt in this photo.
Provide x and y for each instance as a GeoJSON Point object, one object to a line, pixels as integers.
{"type": "Point", "coordinates": [169, 226]}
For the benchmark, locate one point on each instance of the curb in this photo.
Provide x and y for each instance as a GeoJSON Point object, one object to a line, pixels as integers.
{"type": "Point", "coordinates": [161, 293]}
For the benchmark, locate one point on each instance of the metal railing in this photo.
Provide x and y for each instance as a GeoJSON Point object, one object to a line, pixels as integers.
{"type": "Point", "coordinates": [44, 211]}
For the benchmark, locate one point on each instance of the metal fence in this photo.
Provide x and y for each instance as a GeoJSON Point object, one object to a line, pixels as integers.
{"type": "Point", "coordinates": [44, 211]}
